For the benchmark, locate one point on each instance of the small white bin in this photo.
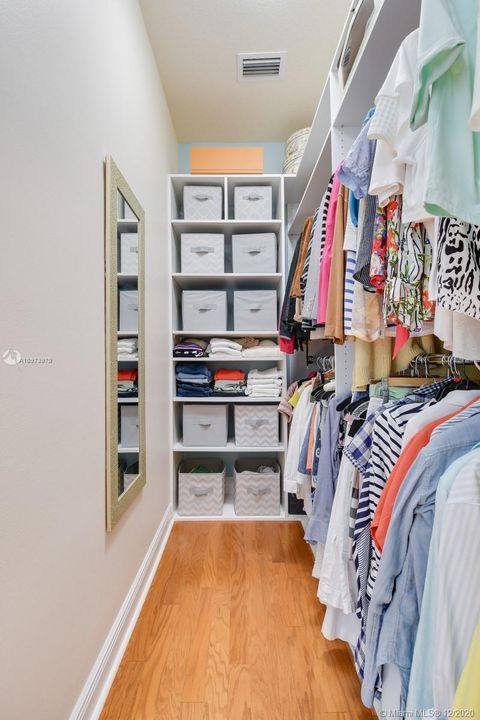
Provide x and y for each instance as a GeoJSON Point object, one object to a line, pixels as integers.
{"type": "Point", "coordinates": [256, 493]}
{"type": "Point", "coordinates": [129, 253]}
{"type": "Point", "coordinates": [255, 310]}
{"type": "Point", "coordinates": [204, 310]}
{"type": "Point", "coordinates": [254, 253]}
{"type": "Point", "coordinates": [256, 425]}
{"type": "Point", "coordinates": [202, 202]}
{"type": "Point", "coordinates": [128, 310]}
{"type": "Point", "coordinates": [129, 434]}
{"type": "Point", "coordinates": [253, 203]}
{"type": "Point", "coordinates": [205, 425]}
{"type": "Point", "coordinates": [201, 493]}
{"type": "Point", "coordinates": [202, 253]}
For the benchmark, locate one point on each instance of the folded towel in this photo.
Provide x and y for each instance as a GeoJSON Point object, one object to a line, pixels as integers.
{"type": "Point", "coordinates": [272, 372]}
{"type": "Point", "coordinates": [215, 342]}
{"type": "Point", "coordinates": [224, 350]}
{"type": "Point", "coordinates": [262, 392]}
{"type": "Point", "coordinates": [264, 381]}
{"type": "Point", "coordinates": [248, 342]}
{"type": "Point", "coordinates": [265, 348]}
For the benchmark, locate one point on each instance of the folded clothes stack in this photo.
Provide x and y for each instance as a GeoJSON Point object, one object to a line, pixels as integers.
{"type": "Point", "coordinates": [221, 347]}
{"type": "Point", "coordinates": [193, 380]}
{"type": "Point", "coordinates": [190, 347]}
{"type": "Point", "coordinates": [264, 383]}
{"type": "Point", "coordinates": [127, 348]}
{"type": "Point", "coordinates": [229, 382]}
{"type": "Point", "coordinates": [263, 348]}
{"type": "Point", "coordinates": [127, 383]}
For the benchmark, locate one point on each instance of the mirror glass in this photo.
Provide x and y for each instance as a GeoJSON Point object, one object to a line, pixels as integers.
{"type": "Point", "coordinates": [125, 346]}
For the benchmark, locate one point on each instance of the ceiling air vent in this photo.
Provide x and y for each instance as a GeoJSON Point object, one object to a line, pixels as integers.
{"type": "Point", "coordinates": [261, 66]}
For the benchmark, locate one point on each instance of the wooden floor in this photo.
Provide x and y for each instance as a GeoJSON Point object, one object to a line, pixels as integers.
{"type": "Point", "coordinates": [231, 630]}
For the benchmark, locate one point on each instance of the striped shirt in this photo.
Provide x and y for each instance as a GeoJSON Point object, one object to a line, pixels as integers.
{"type": "Point", "coordinates": [374, 451]}
{"type": "Point", "coordinates": [349, 290]}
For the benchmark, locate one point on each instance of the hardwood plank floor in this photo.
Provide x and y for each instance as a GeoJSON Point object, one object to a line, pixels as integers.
{"type": "Point", "coordinates": [230, 630]}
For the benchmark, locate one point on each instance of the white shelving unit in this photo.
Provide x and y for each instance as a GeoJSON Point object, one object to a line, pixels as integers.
{"type": "Point", "coordinates": [230, 282]}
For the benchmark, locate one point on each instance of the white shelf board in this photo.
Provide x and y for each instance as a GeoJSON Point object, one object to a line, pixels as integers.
{"type": "Point", "coordinates": [387, 29]}
{"type": "Point", "coordinates": [226, 333]}
{"type": "Point", "coordinates": [242, 399]}
{"type": "Point", "coordinates": [230, 359]}
{"type": "Point", "coordinates": [185, 280]}
{"type": "Point", "coordinates": [125, 450]}
{"type": "Point", "coordinates": [127, 226]}
{"type": "Point", "coordinates": [127, 333]}
{"type": "Point", "coordinates": [229, 447]}
{"type": "Point", "coordinates": [316, 186]}
{"type": "Point", "coordinates": [127, 400]}
{"type": "Point", "coordinates": [226, 226]}
{"type": "Point", "coordinates": [125, 359]}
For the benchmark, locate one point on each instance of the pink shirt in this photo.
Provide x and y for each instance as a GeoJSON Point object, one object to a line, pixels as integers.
{"type": "Point", "coordinates": [326, 263]}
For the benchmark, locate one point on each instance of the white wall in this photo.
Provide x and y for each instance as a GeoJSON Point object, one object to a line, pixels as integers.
{"type": "Point", "coordinates": [77, 81]}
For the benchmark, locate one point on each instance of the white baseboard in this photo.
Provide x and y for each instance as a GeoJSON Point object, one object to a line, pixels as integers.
{"type": "Point", "coordinates": [92, 698]}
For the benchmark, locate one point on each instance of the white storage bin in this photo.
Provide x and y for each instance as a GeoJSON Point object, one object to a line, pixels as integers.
{"type": "Point", "coordinates": [129, 253]}
{"type": "Point", "coordinates": [202, 253]}
{"type": "Point", "coordinates": [254, 253]}
{"type": "Point", "coordinates": [204, 310]}
{"type": "Point", "coordinates": [201, 493]}
{"type": "Point", "coordinates": [256, 425]}
{"type": "Point", "coordinates": [205, 425]}
{"type": "Point", "coordinates": [202, 202]}
{"type": "Point", "coordinates": [255, 310]}
{"type": "Point", "coordinates": [128, 310]}
{"type": "Point", "coordinates": [256, 493]}
{"type": "Point", "coordinates": [253, 203]}
{"type": "Point", "coordinates": [129, 435]}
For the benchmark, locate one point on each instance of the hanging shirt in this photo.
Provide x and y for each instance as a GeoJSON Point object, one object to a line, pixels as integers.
{"type": "Point", "coordinates": [400, 162]}
{"type": "Point", "coordinates": [468, 690]}
{"type": "Point", "coordinates": [384, 511]}
{"type": "Point", "coordinates": [325, 266]}
{"type": "Point", "coordinates": [458, 267]}
{"type": "Point", "coordinates": [397, 596]}
{"type": "Point", "coordinates": [451, 598]}
{"type": "Point", "coordinates": [443, 97]}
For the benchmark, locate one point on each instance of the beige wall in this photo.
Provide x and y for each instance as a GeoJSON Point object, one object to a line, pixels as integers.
{"type": "Point", "coordinates": [77, 81]}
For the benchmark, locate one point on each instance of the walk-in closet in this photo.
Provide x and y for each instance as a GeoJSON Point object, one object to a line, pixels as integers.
{"type": "Point", "coordinates": [240, 359]}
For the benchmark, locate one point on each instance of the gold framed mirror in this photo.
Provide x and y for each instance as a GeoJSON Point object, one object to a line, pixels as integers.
{"type": "Point", "coordinates": [125, 344]}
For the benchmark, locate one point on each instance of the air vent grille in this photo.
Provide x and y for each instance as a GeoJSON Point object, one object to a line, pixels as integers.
{"type": "Point", "coordinates": [261, 66]}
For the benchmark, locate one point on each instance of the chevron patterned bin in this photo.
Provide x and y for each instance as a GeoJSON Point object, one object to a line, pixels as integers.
{"type": "Point", "coordinates": [256, 493]}
{"type": "Point", "coordinates": [201, 493]}
{"type": "Point", "coordinates": [256, 425]}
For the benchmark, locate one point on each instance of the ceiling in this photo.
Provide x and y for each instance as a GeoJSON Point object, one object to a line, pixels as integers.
{"type": "Point", "coordinates": [196, 41]}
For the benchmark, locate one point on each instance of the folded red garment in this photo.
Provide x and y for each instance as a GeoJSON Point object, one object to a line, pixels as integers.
{"type": "Point", "coordinates": [229, 374]}
{"type": "Point", "coordinates": [128, 374]}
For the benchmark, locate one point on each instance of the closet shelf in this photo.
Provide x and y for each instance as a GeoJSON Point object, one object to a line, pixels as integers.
{"type": "Point", "coordinates": [128, 359]}
{"type": "Point", "coordinates": [126, 278]}
{"type": "Point", "coordinates": [230, 447]}
{"type": "Point", "coordinates": [226, 333]}
{"type": "Point", "coordinates": [230, 359]}
{"type": "Point", "coordinates": [127, 401]}
{"type": "Point", "coordinates": [242, 399]}
{"type": "Point", "coordinates": [126, 450]}
{"type": "Point", "coordinates": [226, 226]}
{"type": "Point", "coordinates": [234, 280]}
{"type": "Point", "coordinates": [127, 226]}
{"type": "Point", "coordinates": [127, 333]}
